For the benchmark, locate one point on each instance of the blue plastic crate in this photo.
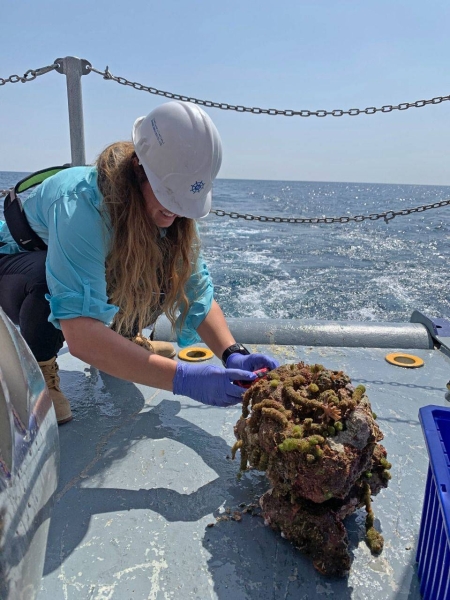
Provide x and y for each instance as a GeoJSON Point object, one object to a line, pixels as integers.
{"type": "Point", "coordinates": [433, 553]}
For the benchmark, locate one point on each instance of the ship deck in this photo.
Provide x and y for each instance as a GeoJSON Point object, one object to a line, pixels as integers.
{"type": "Point", "coordinates": [144, 475]}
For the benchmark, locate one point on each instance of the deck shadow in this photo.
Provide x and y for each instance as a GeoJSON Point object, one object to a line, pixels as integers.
{"type": "Point", "coordinates": [93, 445]}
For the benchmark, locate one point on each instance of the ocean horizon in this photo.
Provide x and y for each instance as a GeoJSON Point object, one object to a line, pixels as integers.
{"type": "Point", "coordinates": [17, 175]}
{"type": "Point", "coordinates": [364, 271]}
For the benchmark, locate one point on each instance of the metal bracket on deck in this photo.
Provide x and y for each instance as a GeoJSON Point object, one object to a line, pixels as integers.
{"type": "Point", "coordinates": [439, 329]}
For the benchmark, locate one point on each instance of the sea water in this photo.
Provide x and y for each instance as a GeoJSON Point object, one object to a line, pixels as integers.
{"type": "Point", "coordinates": [367, 271]}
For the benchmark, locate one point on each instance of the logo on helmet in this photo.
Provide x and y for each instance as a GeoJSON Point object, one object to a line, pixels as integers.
{"type": "Point", "coordinates": [157, 133]}
{"type": "Point", "coordinates": [197, 187]}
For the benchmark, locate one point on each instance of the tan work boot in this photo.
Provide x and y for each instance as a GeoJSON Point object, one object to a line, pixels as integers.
{"type": "Point", "coordinates": [49, 370]}
{"type": "Point", "coordinates": [162, 348]}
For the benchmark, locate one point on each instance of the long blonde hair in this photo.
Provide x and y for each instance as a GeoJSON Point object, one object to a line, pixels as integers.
{"type": "Point", "coordinates": [146, 273]}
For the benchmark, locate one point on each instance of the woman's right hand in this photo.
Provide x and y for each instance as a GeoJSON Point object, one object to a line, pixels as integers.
{"type": "Point", "coordinates": [210, 384]}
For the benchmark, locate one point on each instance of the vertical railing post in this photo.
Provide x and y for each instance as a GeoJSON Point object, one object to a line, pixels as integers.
{"type": "Point", "coordinates": [73, 68]}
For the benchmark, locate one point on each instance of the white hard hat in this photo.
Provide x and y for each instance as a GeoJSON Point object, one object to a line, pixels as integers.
{"type": "Point", "coordinates": [180, 150]}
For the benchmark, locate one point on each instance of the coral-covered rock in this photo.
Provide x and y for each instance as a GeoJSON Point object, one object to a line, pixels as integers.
{"type": "Point", "coordinates": [317, 439]}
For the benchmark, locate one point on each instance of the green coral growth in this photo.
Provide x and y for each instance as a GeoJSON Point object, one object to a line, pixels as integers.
{"type": "Point", "coordinates": [374, 540]}
{"type": "Point", "coordinates": [235, 448]}
{"type": "Point", "coordinates": [276, 415]}
{"type": "Point", "coordinates": [313, 388]}
{"type": "Point", "coordinates": [244, 459]}
{"type": "Point", "coordinates": [359, 392]}
{"type": "Point", "coordinates": [315, 440]}
{"type": "Point", "coordinates": [291, 444]}
{"type": "Point", "coordinates": [329, 397]}
{"type": "Point", "coordinates": [318, 452]}
{"type": "Point", "coordinates": [299, 399]}
{"type": "Point", "coordinates": [269, 403]}
{"type": "Point", "coordinates": [297, 431]}
{"type": "Point", "coordinates": [305, 445]}
{"type": "Point", "coordinates": [385, 463]}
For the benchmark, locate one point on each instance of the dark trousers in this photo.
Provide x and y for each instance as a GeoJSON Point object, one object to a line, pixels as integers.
{"type": "Point", "coordinates": [22, 296]}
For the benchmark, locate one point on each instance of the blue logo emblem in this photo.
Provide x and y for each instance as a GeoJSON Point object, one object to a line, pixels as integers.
{"type": "Point", "coordinates": [198, 185]}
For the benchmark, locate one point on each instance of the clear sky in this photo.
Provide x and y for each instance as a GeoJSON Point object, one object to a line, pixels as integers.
{"type": "Point", "coordinates": [321, 54]}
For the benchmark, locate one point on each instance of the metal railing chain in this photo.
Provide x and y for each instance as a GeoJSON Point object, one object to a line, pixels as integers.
{"type": "Point", "coordinates": [387, 216]}
{"type": "Point", "coordinates": [352, 112]}
{"type": "Point", "coordinates": [30, 75]}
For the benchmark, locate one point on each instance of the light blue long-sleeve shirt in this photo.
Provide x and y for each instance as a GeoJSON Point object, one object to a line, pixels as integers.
{"type": "Point", "coordinates": [65, 211]}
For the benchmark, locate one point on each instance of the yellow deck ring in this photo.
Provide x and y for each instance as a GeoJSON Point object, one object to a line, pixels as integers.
{"type": "Point", "coordinates": [195, 354]}
{"type": "Point", "coordinates": [399, 359]}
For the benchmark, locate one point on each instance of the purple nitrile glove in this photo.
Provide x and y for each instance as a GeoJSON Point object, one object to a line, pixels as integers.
{"type": "Point", "coordinates": [210, 384]}
{"type": "Point", "coordinates": [251, 362]}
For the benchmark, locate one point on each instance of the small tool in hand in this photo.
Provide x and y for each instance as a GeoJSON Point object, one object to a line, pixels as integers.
{"type": "Point", "coordinates": [246, 384]}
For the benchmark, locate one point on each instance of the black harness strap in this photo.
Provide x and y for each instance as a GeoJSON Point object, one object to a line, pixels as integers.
{"type": "Point", "coordinates": [15, 217]}
{"type": "Point", "coordinates": [18, 224]}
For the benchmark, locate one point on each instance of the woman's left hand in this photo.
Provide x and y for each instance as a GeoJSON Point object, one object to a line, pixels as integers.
{"type": "Point", "coordinates": [251, 362]}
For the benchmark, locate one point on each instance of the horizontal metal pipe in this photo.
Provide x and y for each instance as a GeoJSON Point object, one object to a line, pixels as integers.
{"type": "Point", "coordinates": [348, 334]}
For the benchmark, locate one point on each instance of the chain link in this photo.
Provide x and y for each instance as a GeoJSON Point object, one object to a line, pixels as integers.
{"type": "Point", "coordinates": [352, 112]}
{"type": "Point", "coordinates": [387, 216]}
{"type": "Point", "coordinates": [30, 75]}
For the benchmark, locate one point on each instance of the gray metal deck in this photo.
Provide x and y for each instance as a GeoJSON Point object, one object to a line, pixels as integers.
{"type": "Point", "coordinates": [144, 474]}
